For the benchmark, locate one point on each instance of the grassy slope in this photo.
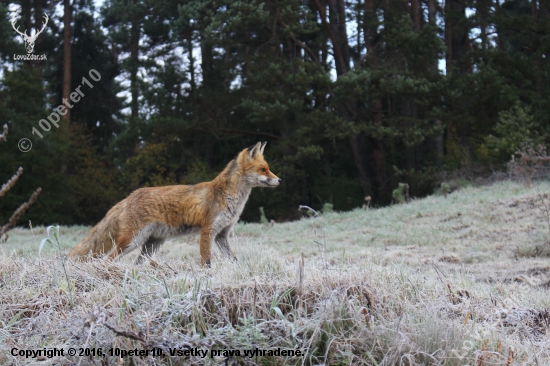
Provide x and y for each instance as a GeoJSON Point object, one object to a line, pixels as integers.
{"type": "Point", "coordinates": [404, 284]}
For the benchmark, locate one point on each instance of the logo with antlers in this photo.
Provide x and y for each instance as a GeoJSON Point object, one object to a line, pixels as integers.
{"type": "Point", "coordinates": [29, 40]}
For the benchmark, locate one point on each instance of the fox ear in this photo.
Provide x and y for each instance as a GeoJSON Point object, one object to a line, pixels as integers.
{"type": "Point", "coordinates": [263, 147]}
{"type": "Point", "coordinates": [254, 150]}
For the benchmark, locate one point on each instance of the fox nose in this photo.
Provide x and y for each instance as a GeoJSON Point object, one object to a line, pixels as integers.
{"type": "Point", "coordinates": [280, 180]}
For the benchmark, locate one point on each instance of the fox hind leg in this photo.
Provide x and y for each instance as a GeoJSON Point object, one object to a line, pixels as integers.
{"type": "Point", "coordinates": [149, 248]}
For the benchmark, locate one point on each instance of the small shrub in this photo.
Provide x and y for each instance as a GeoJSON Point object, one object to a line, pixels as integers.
{"type": "Point", "coordinates": [401, 193]}
{"type": "Point", "coordinates": [452, 185]}
{"type": "Point", "coordinates": [514, 127]}
{"type": "Point", "coordinates": [327, 207]}
{"type": "Point", "coordinates": [533, 251]}
{"type": "Point", "coordinates": [527, 160]}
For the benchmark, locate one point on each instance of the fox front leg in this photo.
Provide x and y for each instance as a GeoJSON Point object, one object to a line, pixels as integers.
{"type": "Point", "coordinates": [206, 246]}
{"type": "Point", "coordinates": [222, 240]}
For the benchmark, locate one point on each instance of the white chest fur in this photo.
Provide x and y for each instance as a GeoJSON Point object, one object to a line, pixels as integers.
{"type": "Point", "coordinates": [235, 207]}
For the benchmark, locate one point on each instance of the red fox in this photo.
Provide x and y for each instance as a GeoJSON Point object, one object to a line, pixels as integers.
{"type": "Point", "coordinates": [149, 216]}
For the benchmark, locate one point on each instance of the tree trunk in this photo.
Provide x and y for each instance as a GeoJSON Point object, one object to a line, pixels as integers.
{"type": "Point", "coordinates": [456, 36]}
{"type": "Point", "coordinates": [379, 152]}
{"type": "Point", "coordinates": [457, 29]}
{"type": "Point", "coordinates": [543, 9]}
{"type": "Point", "coordinates": [357, 148]}
{"type": "Point", "coordinates": [500, 42]}
{"type": "Point", "coordinates": [191, 63]}
{"type": "Point", "coordinates": [336, 30]}
{"type": "Point", "coordinates": [448, 39]}
{"type": "Point", "coordinates": [134, 63]}
{"type": "Point", "coordinates": [66, 119]}
{"type": "Point", "coordinates": [38, 19]}
{"type": "Point", "coordinates": [26, 8]}
{"type": "Point", "coordinates": [432, 9]}
{"type": "Point", "coordinates": [337, 15]}
{"type": "Point", "coordinates": [372, 58]}
{"type": "Point", "coordinates": [537, 12]}
{"type": "Point", "coordinates": [439, 146]}
{"type": "Point", "coordinates": [483, 13]}
{"type": "Point", "coordinates": [415, 14]}
{"type": "Point", "coordinates": [207, 64]}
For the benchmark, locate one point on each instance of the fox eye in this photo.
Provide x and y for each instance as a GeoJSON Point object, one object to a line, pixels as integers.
{"type": "Point", "coordinates": [263, 170]}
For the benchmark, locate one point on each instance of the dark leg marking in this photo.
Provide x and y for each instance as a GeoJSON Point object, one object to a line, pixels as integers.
{"type": "Point", "coordinates": [149, 248]}
{"type": "Point", "coordinates": [222, 241]}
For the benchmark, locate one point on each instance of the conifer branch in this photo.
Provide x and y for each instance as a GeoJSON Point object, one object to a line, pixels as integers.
{"type": "Point", "coordinates": [250, 133]}
{"type": "Point", "coordinates": [308, 50]}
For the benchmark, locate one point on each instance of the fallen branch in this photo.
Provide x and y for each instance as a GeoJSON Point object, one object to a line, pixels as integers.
{"type": "Point", "coordinates": [127, 334]}
{"type": "Point", "coordinates": [149, 343]}
{"type": "Point", "coordinates": [4, 134]}
{"type": "Point", "coordinates": [6, 187]}
{"type": "Point", "coordinates": [304, 207]}
{"type": "Point", "coordinates": [17, 215]}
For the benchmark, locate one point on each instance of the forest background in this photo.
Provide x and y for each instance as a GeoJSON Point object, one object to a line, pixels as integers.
{"type": "Point", "coordinates": [353, 97]}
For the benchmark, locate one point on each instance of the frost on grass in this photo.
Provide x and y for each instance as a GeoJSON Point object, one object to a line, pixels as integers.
{"type": "Point", "coordinates": [434, 282]}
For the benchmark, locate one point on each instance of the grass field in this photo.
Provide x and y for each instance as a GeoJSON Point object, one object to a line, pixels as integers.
{"type": "Point", "coordinates": [456, 280]}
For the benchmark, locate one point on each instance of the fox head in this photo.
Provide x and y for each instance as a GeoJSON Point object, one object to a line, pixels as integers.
{"type": "Point", "coordinates": [255, 169]}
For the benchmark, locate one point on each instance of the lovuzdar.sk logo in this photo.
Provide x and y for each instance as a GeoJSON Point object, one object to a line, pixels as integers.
{"type": "Point", "coordinates": [29, 41]}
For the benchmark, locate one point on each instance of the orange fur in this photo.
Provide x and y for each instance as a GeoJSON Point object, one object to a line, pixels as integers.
{"type": "Point", "coordinates": [148, 216]}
